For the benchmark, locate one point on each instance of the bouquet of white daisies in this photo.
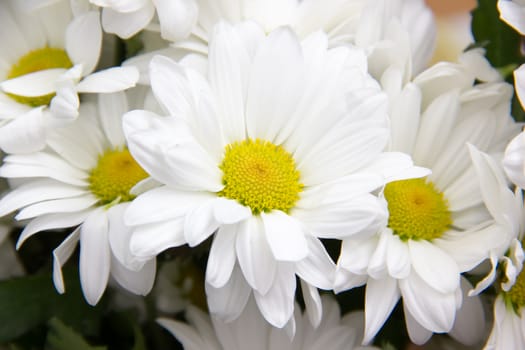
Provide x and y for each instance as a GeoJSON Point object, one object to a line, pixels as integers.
{"type": "Point", "coordinates": [259, 174]}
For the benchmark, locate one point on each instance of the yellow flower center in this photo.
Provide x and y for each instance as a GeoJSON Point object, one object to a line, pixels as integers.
{"type": "Point", "coordinates": [516, 295]}
{"type": "Point", "coordinates": [417, 210]}
{"type": "Point", "coordinates": [34, 61]}
{"type": "Point", "coordinates": [114, 176]}
{"type": "Point", "coordinates": [260, 175]}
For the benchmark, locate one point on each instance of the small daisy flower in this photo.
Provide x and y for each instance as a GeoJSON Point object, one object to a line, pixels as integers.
{"type": "Point", "coordinates": [47, 57]}
{"type": "Point", "coordinates": [83, 178]}
{"type": "Point", "coordinates": [250, 331]}
{"type": "Point", "coordinates": [508, 331]}
{"type": "Point", "coordinates": [435, 224]}
{"type": "Point", "coordinates": [279, 146]}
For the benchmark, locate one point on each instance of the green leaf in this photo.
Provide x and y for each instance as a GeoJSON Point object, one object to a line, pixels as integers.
{"type": "Point", "coordinates": [140, 343]}
{"type": "Point", "coordinates": [503, 44]}
{"type": "Point", "coordinates": [62, 337]}
{"type": "Point", "coordinates": [28, 302]}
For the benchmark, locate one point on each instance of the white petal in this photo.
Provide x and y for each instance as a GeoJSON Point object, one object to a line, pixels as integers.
{"type": "Point", "coordinates": [398, 258]}
{"type": "Point", "coordinates": [66, 205]}
{"type": "Point", "coordinates": [64, 106]}
{"type": "Point", "coordinates": [434, 266]}
{"type": "Point", "coordinates": [35, 84]}
{"type": "Point", "coordinates": [177, 18]}
{"type": "Point", "coordinates": [275, 84]}
{"type": "Point", "coordinates": [285, 236]}
{"type": "Point", "coordinates": [200, 223]}
{"type": "Point", "coordinates": [277, 304]}
{"type": "Point", "coordinates": [519, 82]}
{"type": "Point", "coordinates": [119, 236]}
{"type": "Point", "coordinates": [42, 165]}
{"type": "Point", "coordinates": [95, 259]}
{"type": "Point", "coordinates": [24, 134]}
{"type": "Point", "coordinates": [380, 299]}
{"type": "Point", "coordinates": [228, 73]}
{"type": "Point", "coordinates": [139, 282]}
{"type": "Point", "coordinates": [109, 80]}
{"type": "Point", "coordinates": [168, 151]}
{"type": "Point", "coordinates": [61, 255]}
{"type": "Point", "coordinates": [432, 310]}
{"type": "Point", "coordinates": [51, 221]}
{"type": "Point", "coordinates": [514, 160]}
{"type": "Point", "coordinates": [418, 334]}
{"type": "Point", "coordinates": [186, 94]}
{"type": "Point", "coordinates": [436, 123]}
{"type": "Point", "coordinates": [255, 257]}
{"type": "Point", "coordinates": [317, 269]}
{"type": "Point", "coordinates": [355, 254]}
{"type": "Point", "coordinates": [149, 240]}
{"type": "Point", "coordinates": [221, 259]}
{"type": "Point", "coordinates": [228, 302]}
{"type": "Point", "coordinates": [513, 13]}
{"type": "Point", "coordinates": [127, 24]}
{"type": "Point", "coordinates": [469, 326]}
{"type": "Point", "coordinates": [84, 40]}
{"type": "Point", "coordinates": [34, 192]}
{"type": "Point", "coordinates": [111, 108]}
{"type": "Point", "coordinates": [162, 203]}
{"type": "Point", "coordinates": [228, 211]}
{"type": "Point", "coordinates": [313, 305]}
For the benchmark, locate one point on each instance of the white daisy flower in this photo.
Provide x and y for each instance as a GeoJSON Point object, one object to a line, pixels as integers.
{"type": "Point", "coordinates": [250, 331]}
{"type": "Point", "coordinates": [508, 330]}
{"type": "Point", "coordinates": [47, 57]}
{"type": "Point", "coordinates": [279, 146]}
{"type": "Point", "coordinates": [400, 32]}
{"type": "Point", "coordinates": [438, 227]}
{"type": "Point", "coordinates": [126, 18]}
{"type": "Point", "coordinates": [83, 178]}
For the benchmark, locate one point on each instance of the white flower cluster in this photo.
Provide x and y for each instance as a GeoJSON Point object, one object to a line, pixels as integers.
{"type": "Point", "coordinates": [268, 128]}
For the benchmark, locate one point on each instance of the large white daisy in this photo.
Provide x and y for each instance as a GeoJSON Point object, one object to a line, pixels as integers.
{"type": "Point", "coordinates": [83, 178]}
{"type": "Point", "coordinates": [438, 227]}
{"type": "Point", "coordinates": [250, 331]}
{"type": "Point", "coordinates": [280, 145]}
{"type": "Point", "coordinates": [47, 57]}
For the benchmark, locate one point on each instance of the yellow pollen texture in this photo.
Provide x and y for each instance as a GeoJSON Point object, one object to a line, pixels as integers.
{"type": "Point", "coordinates": [34, 61]}
{"type": "Point", "coordinates": [516, 295]}
{"type": "Point", "coordinates": [417, 210]}
{"type": "Point", "coordinates": [114, 176]}
{"type": "Point", "coordinates": [260, 175]}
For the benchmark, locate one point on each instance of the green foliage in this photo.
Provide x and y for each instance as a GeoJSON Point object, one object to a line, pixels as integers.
{"type": "Point", "coordinates": [501, 42]}
{"type": "Point", "coordinates": [28, 302]}
{"type": "Point", "coordinates": [62, 337]}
